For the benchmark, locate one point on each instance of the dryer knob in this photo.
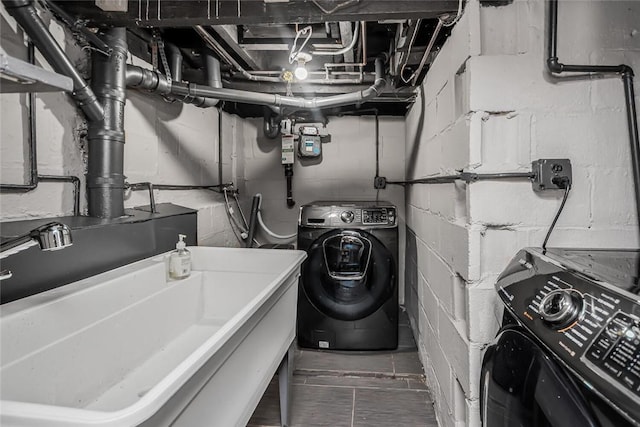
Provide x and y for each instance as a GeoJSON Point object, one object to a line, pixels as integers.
{"type": "Point", "coordinates": [347, 216]}
{"type": "Point", "coordinates": [561, 308]}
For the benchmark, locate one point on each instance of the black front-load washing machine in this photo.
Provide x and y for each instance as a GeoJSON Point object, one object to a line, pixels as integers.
{"type": "Point", "coordinates": [348, 294]}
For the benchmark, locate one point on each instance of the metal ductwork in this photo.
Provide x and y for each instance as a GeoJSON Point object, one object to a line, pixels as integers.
{"type": "Point", "coordinates": [26, 15]}
{"type": "Point", "coordinates": [105, 177]}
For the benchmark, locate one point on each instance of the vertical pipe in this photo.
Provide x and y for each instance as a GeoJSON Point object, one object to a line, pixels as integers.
{"type": "Point", "coordinates": [175, 62]}
{"type": "Point", "coordinates": [220, 147]}
{"type": "Point", "coordinates": [632, 122]}
{"type": "Point", "coordinates": [253, 220]}
{"type": "Point", "coordinates": [105, 176]}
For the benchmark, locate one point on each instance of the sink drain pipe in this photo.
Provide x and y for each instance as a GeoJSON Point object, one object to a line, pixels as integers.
{"type": "Point", "coordinates": [624, 71]}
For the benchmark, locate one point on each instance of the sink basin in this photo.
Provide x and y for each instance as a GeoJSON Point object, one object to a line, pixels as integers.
{"type": "Point", "coordinates": [133, 347]}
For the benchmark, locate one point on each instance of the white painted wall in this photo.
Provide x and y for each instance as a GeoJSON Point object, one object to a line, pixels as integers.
{"type": "Point", "coordinates": [346, 172]}
{"type": "Point", "coordinates": [166, 143]}
{"type": "Point", "coordinates": [488, 105]}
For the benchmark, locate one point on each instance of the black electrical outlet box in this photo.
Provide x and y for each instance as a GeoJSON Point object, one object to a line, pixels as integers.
{"type": "Point", "coordinates": [380, 182]}
{"type": "Point", "coordinates": [551, 174]}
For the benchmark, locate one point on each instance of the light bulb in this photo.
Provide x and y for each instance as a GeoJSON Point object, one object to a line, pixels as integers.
{"type": "Point", "coordinates": [301, 72]}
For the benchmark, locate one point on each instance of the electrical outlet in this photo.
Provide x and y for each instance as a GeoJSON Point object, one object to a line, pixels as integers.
{"type": "Point", "coordinates": [380, 182]}
{"type": "Point", "coordinates": [551, 174]}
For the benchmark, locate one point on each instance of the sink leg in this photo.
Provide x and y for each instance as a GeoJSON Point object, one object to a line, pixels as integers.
{"type": "Point", "coordinates": [285, 372]}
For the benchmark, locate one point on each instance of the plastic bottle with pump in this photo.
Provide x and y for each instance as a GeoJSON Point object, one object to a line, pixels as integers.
{"type": "Point", "coordinates": [180, 260]}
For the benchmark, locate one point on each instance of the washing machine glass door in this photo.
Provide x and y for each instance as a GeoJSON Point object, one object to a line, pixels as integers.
{"type": "Point", "coordinates": [522, 386]}
{"type": "Point", "coordinates": [348, 274]}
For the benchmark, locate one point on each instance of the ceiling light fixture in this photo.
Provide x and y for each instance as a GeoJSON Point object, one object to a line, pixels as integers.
{"type": "Point", "coordinates": [300, 70]}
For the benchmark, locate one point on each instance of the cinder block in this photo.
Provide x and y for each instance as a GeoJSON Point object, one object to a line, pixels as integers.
{"type": "Point", "coordinates": [445, 107]}
{"type": "Point", "coordinates": [520, 80]}
{"type": "Point", "coordinates": [489, 201]}
{"type": "Point", "coordinates": [481, 309]}
{"type": "Point", "coordinates": [141, 157]}
{"type": "Point", "coordinates": [429, 303]}
{"type": "Point", "coordinates": [455, 247]}
{"type": "Point", "coordinates": [612, 197]}
{"type": "Point", "coordinates": [519, 30]}
{"type": "Point", "coordinates": [455, 145]}
{"type": "Point", "coordinates": [506, 142]}
{"type": "Point", "coordinates": [455, 347]}
{"type": "Point", "coordinates": [440, 280]}
{"type": "Point", "coordinates": [556, 136]}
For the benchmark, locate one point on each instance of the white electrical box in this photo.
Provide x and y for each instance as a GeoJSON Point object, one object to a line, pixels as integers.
{"type": "Point", "coordinates": [288, 149]}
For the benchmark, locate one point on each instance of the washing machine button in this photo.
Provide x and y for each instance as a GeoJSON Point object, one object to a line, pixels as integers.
{"type": "Point", "coordinates": [347, 216]}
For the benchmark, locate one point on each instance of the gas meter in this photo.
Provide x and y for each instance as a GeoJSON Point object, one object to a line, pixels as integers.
{"type": "Point", "coordinates": [310, 142]}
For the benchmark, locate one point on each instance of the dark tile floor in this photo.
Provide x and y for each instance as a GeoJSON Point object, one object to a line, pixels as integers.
{"type": "Point", "coordinates": [354, 389]}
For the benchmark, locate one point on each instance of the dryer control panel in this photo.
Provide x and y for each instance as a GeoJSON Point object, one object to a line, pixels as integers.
{"type": "Point", "coordinates": [587, 314]}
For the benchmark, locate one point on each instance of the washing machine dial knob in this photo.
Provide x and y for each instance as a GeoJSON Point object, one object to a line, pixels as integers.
{"type": "Point", "coordinates": [347, 216]}
{"type": "Point", "coordinates": [561, 308]}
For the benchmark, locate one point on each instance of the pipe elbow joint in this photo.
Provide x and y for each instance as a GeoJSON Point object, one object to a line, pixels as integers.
{"type": "Point", "coordinates": [626, 71]}
{"type": "Point", "coordinates": [554, 66]}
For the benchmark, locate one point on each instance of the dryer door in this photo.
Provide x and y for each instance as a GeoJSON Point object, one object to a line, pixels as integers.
{"type": "Point", "coordinates": [521, 386]}
{"type": "Point", "coordinates": [348, 274]}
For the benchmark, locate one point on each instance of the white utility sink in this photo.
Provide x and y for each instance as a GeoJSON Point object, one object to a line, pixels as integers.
{"type": "Point", "coordinates": [131, 347]}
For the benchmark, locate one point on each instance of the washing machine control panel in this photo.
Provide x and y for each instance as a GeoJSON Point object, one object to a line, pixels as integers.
{"type": "Point", "coordinates": [348, 215]}
{"type": "Point", "coordinates": [376, 216]}
{"type": "Point", "coordinates": [587, 321]}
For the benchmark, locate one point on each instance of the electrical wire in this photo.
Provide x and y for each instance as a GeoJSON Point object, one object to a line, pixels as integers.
{"type": "Point", "coordinates": [293, 55]}
{"type": "Point", "coordinates": [408, 53]}
{"type": "Point", "coordinates": [336, 7]}
{"type": "Point", "coordinates": [266, 229]}
{"type": "Point", "coordinates": [457, 18]}
{"type": "Point", "coordinates": [466, 177]}
{"type": "Point", "coordinates": [230, 212]}
{"type": "Point", "coordinates": [553, 224]}
{"type": "Point", "coordinates": [244, 219]}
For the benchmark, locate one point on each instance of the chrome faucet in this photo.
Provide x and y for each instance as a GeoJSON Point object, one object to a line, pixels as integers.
{"type": "Point", "coordinates": [50, 237]}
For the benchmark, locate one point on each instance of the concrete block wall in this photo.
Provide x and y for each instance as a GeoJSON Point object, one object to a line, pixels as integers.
{"type": "Point", "coordinates": [346, 171]}
{"type": "Point", "coordinates": [488, 105]}
{"type": "Point", "coordinates": [167, 143]}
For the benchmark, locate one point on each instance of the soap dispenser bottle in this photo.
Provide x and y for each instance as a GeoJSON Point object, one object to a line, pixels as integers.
{"type": "Point", "coordinates": [180, 260]}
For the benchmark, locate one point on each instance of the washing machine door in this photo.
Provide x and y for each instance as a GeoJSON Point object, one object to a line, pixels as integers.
{"type": "Point", "coordinates": [522, 386]}
{"type": "Point", "coordinates": [348, 275]}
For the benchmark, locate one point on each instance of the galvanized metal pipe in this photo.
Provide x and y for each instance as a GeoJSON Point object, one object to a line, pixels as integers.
{"type": "Point", "coordinates": [181, 89]}
{"type": "Point", "coordinates": [26, 15]}
{"type": "Point", "coordinates": [105, 176]}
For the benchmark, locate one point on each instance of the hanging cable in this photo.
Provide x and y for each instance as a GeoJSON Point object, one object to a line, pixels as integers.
{"type": "Point", "coordinates": [553, 224]}
{"type": "Point", "coordinates": [336, 7]}
{"type": "Point", "coordinates": [457, 18]}
{"type": "Point", "coordinates": [293, 55]}
{"type": "Point", "coordinates": [243, 231]}
{"type": "Point", "coordinates": [408, 53]}
{"type": "Point", "coordinates": [244, 219]}
{"type": "Point", "coordinates": [266, 229]}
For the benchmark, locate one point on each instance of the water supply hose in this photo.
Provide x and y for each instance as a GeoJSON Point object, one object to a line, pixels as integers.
{"type": "Point", "coordinates": [266, 229]}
